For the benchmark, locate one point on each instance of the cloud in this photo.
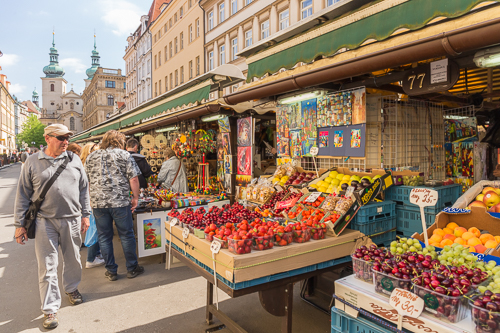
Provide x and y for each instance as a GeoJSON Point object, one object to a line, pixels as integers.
{"type": "Point", "coordinates": [16, 89]}
{"type": "Point", "coordinates": [8, 60]}
{"type": "Point", "coordinates": [74, 64]}
{"type": "Point", "coordinates": [122, 16]}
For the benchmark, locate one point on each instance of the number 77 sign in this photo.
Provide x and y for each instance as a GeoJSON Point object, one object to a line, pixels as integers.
{"type": "Point", "coordinates": [424, 197]}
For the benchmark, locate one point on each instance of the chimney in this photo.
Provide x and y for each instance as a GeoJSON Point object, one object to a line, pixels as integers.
{"type": "Point", "coordinates": [2, 78]}
{"type": "Point", "coordinates": [7, 85]}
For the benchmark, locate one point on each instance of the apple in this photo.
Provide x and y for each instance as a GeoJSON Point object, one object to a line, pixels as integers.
{"type": "Point", "coordinates": [477, 204]}
{"type": "Point", "coordinates": [491, 198]}
{"type": "Point", "coordinates": [495, 208]}
{"type": "Point", "coordinates": [487, 189]}
{"type": "Point", "coordinates": [480, 197]}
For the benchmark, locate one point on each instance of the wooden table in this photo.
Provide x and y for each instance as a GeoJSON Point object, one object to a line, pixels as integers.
{"type": "Point", "coordinates": [276, 297]}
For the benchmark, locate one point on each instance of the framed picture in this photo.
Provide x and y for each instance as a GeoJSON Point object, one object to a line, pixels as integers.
{"type": "Point", "coordinates": [151, 233]}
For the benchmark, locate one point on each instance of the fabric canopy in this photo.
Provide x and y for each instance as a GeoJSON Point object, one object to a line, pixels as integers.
{"type": "Point", "coordinates": [113, 126]}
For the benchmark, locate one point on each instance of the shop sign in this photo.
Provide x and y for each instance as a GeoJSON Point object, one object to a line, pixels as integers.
{"type": "Point", "coordinates": [429, 78]}
{"type": "Point", "coordinates": [423, 197]}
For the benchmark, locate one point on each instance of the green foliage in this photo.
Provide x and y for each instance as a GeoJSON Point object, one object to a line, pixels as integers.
{"type": "Point", "coordinates": [32, 131]}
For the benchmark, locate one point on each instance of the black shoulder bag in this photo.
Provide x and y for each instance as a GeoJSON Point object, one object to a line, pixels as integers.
{"type": "Point", "coordinates": [30, 217]}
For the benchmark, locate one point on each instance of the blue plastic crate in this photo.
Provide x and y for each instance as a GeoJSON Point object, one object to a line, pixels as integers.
{"type": "Point", "coordinates": [375, 211]}
{"type": "Point", "coordinates": [384, 239]}
{"type": "Point", "coordinates": [344, 323]}
{"type": "Point", "coordinates": [409, 221]}
{"type": "Point", "coordinates": [375, 226]}
{"type": "Point", "coordinates": [447, 196]}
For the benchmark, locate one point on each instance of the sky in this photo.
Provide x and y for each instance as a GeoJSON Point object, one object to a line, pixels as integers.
{"type": "Point", "coordinates": [26, 37]}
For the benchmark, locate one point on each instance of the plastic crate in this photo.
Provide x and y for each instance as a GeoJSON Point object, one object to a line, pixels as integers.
{"type": "Point", "coordinates": [447, 196]}
{"type": "Point", "coordinates": [409, 221]}
{"type": "Point", "coordinates": [375, 226]}
{"type": "Point", "coordinates": [384, 239]}
{"type": "Point", "coordinates": [374, 211]}
{"type": "Point", "coordinates": [344, 323]}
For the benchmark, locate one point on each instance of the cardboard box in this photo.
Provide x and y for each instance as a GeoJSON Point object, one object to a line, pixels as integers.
{"type": "Point", "coordinates": [238, 268]}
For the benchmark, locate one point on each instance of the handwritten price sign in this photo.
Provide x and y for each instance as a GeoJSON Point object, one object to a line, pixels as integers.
{"type": "Point", "coordinates": [406, 303]}
{"type": "Point", "coordinates": [423, 197]}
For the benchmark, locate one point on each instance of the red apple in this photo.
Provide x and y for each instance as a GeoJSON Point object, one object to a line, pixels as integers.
{"type": "Point", "coordinates": [491, 198]}
{"type": "Point", "coordinates": [477, 203]}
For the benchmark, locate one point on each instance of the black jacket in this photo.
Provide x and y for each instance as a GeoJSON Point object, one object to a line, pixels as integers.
{"type": "Point", "coordinates": [144, 167]}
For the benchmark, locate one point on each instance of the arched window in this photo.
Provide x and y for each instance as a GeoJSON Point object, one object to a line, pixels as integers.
{"type": "Point", "coordinates": [72, 123]}
{"type": "Point", "coordinates": [52, 87]}
{"type": "Point", "coordinates": [71, 105]}
{"type": "Point", "coordinates": [111, 100]}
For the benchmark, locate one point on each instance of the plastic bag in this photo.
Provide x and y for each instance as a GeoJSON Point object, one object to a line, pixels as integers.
{"type": "Point", "coordinates": [91, 235]}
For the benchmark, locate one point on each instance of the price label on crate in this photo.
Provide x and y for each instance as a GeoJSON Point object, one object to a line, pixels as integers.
{"type": "Point", "coordinates": [215, 246]}
{"type": "Point", "coordinates": [185, 233]}
{"type": "Point", "coordinates": [406, 303]}
{"type": "Point", "coordinates": [173, 221]}
{"type": "Point", "coordinates": [313, 197]}
{"type": "Point", "coordinates": [314, 151]}
{"type": "Point", "coordinates": [423, 197]}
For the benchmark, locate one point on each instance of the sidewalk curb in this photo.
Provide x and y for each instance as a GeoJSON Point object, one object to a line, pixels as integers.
{"type": "Point", "coordinates": [6, 166]}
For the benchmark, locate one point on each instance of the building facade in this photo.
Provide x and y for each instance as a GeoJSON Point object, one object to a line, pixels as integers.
{"type": "Point", "coordinates": [178, 50]}
{"type": "Point", "coordinates": [106, 88]}
{"type": "Point", "coordinates": [7, 118]}
{"type": "Point", "coordinates": [59, 106]}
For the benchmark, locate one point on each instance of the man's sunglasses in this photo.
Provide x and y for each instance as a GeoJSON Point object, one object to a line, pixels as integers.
{"type": "Point", "coordinates": [60, 137]}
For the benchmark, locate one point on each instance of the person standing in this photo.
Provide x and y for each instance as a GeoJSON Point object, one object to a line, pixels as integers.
{"type": "Point", "coordinates": [132, 147]}
{"type": "Point", "coordinates": [63, 216]}
{"type": "Point", "coordinates": [173, 174]}
{"type": "Point", "coordinates": [113, 173]}
{"type": "Point", "coordinates": [25, 155]}
{"type": "Point", "coordinates": [75, 148]}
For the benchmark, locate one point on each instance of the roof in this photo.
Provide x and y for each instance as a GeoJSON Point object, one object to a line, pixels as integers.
{"type": "Point", "coordinates": [155, 11]}
{"type": "Point", "coordinates": [31, 106]}
{"type": "Point", "coordinates": [120, 104]}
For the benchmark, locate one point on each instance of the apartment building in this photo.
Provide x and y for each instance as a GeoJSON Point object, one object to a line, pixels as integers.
{"type": "Point", "coordinates": [7, 117]}
{"type": "Point", "coordinates": [177, 36]}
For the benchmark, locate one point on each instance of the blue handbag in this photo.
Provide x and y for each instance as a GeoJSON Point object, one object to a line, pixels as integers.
{"type": "Point", "coordinates": [91, 235]}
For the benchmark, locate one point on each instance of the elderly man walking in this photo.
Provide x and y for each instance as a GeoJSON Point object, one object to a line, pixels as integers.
{"type": "Point", "coordinates": [113, 173]}
{"type": "Point", "coordinates": [63, 216]}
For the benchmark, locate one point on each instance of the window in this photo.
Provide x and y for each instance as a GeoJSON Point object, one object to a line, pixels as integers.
{"type": "Point", "coordinates": [78, 103]}
{"type": "Point", "coordinates": [197, 28]}
{"type": "Point", "coordinates": [210, 60]}
{"type": "Point", "coordinates": [190, 29]}
{"type": "Point", "coordinates": [175, 17]}
{"type": "Point", "coordinates": [247, 2]}
{"type": "Point", "coordinates": [182, 40]}
{"type": "Point", "coordinates": [166, 84]}
{"type": "Point", "coordinates": [165, 28]}
{"type": "Point", "coordinates": [234, 6]}
{"type": "Point", "coordinates": [165, 49]}
{"type": "Point", "coordinates": [181, 11]}
{"type": "Point", "coordinates": [331, 2]}
{"type": "Point", "coordinates": [284, 21]}
{"type": "Point", "coordinates": [72, 124]}
{"type": "Point", "coordinates": [159, 86]}
{"type": "Point", "coordinates": [191, 69]}
{"type": "Point", "coordinates": [52, 87]}
{"type": "Point", "coordinates": [248, 38]}
{"type": "Point", "coordinates": [234, 48]}
{"type": "Point", "coordinates": [171, 81]}
{"type": "Point", "coordinates": [182, 74]}
{"type": "Point", "coordinates": [264, 29]}
{"type": "Point", "coordinates": [222, 54]}
{"type": "Point", "coordinates": [159, 58]}
{"type": "Point", "coordinates": [176, 77]}
{"type": "Point", "coordinates": [222, 14]}
{"type": "Point", "coordinates": [176, 45]}
{"type": "Point", "coordinates": [170, 23]}
{"type": "Point", "coordinates": [306, 8]}
{"type": "Point", "coordinates": [156, 62]}
{"type": "Point", "coordinates": [124, 87]}
{"type": "Point", "coordinates": [159, 34]}
{"type": "Point", "coordinates": [197, 66]}
{"type": "Point", "coordinates": [149, 66]}
{"type": "Point", "coordinates": [110, 84]}
{"type": "Point", "coordinates": [170, 46]}
{"type": "Point", "coordinates": [210, 21]}
{"type": "Point", "coordinates": [156, 89]}
{"type": "Point", "coordinates": [154, 39]}
{"type": "Point", "coordinates": [111, 100]}
{"type": "Point", "coordinates": [190, 3]}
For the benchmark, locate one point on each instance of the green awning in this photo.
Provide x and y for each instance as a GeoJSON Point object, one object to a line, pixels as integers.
{"type": "Point", "coordinates": [80, 137]}
{"type": "Point", "coordinates": [412, 15]}
{"type": "Point", "coordinates": [192, 97]}
{"type": "Point", "coordinates": [113, 126]}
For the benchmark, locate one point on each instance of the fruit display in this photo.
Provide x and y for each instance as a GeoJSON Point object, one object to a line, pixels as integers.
{"type": "Point", "coordinates": [271, 204]}
{"type": "Point", "coordinates": [405, 245]}
{"type": "Point", "coordinates": [295, 212]}
{"type": "Point", "coordinates": [336, 182]}
{"type": "Point", "coordinates": [451, 308]}
{"type": "Point", "coordinates": [287, 174]}
{"type": "Point", "coordinates": [469, 238]}
{"type": "Point", "coordinates": [301, 232]}
{"type": "Point", "coordinates": [385, 282]}
{"type": "Point", "coordinates": [489, 198]}
{"type": "Point", "coordinates": [413, 180]}
{"type": "Point", "coordinates": [288, 199]}
{"type": "Point", "coordinates": [363, 259]}
{"type": "Point", "coordinates": [494, 284]}
{"type": "Point", "coordinates": [237, 245]}
{"type": "Point", "coordinates": [486, 312]}
{"type": "Point", "coordinates": [283, 235]}
{"type": "Point", "coordinates": [316, 203]}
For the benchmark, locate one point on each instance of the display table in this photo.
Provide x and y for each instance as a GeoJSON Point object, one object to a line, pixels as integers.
{"type": "Point", "coordinates": [353, 295]}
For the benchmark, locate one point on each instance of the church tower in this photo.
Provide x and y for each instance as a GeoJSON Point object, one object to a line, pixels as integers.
{"type": "Point", "coordinates": [34, 97]}
{"type": "Point", "coordinates": [53, 84]}
{"type": "Point", "coordinates": [95, 64]}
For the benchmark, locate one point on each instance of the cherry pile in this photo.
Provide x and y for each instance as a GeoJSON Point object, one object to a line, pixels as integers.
{"type": "Point", "coordinates": [292, 196]}
{"type": "Point", "coordinates": [485, 312]}
{"type": "Point", "coordinates": [278, 196]}
{"type": "Point", "coordinates": [363, 259]}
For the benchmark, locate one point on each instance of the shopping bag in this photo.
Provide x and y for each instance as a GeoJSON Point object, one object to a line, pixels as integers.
{"type": "Point", "coordinates": [91, 236]}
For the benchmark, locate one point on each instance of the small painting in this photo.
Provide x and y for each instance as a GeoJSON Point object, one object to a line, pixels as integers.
{"type": "Point", "coordinates": [244, 161]}
{"type": "Point", "coordinates": [295, 144]}
{"type": "Point", "coordinates": [323, 139]}
{"type": "Point", "coordinates": [224, 125]}
{"type": "Point", "coordinates": [226, 144]}
{"type": "Point", "coordinates": [228, 164]}
{"type": "Point", "coordinates": [338, 139]}
{"type": "Point", "coordinates": [220, 170]}
{"type": "Point", "coordinates": [283, 145]}
{"type": "Point", "coordinates": [355, 138]}
{"type": "Point", "coordinates": [245, 133]}
{"type": "Point", "coordinates": [242, 180]}
{"type": "Point", "coordinates": [151, 233]}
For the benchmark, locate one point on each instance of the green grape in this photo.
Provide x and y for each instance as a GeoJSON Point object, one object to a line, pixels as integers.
{"type": "Point", "coordinates": [492, 263]}
{"type": "Point", "coordinates": [413, 249]}
{"type": "Point", "coordinates": [447, 248]}
{"type": "Point", "coordinates": [409, 242]}
{"type": "Point", "coordinates": [393, 249]}
{"type": "Point", "coordinates": [482, 289]}
{"type": "Point", "coordinates": [461, 261]}
{"type": "Point", "coordinates": [405, 247]}
{"type": "Point", "coordinates": [394, 243]}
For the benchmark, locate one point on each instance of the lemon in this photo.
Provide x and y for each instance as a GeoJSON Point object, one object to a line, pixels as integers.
{"type": "Point", "coordinates": [346, 177]}
{"type": "Point", "coordinates": [340, 176]}
{"type": "Point", "coordinates": [328, 180]}
{"type": "Point", "coordinates": [336, 182]}
{"type": "Point", "coordinates": [322, 189]}
{"type": "Point", "coordinates": [333, 174]}
{"type": "Point", "coordinates": [313, 185]}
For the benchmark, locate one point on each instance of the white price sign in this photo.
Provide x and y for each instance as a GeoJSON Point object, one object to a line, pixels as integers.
{"type": "Point", "coordinates": [406, 304]}
{"type": "Point", "coordinates": [173, 221]}
{"type": "Point", "coordinates": [423, 197]}
{"type": "Point", "coordinates": [314, 151]}
{"type": "Point", "coordinates": [313, 197]}
{"type": "Point", "coordinates": [215, 246]}
{"type": "Point", "coordinates": [185, 233]}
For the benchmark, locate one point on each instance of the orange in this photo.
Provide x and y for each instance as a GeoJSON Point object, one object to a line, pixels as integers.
{"type": "Point", "coordinates": [467, 235]}
{"type": "Point", "coordinates": [475, 231]}
{"type": "Point", "coordinates": [451, 225]}
{"type": "Point", "coordinates": [486, 237]}
{"type": "Point", "coordinates": [450, 237]}
{"type": "Point", "coordinates": [445, 242]}
{"type": "Point", "coordinates": [459, 231]}
{"type": "Point", "coordinates": [448, 231]}
{"type": "Point", "coordinates": [439, 232]}
{"type": "Point", "coordinates": [497, 238]}
{"type": "Point", "coordinates": [474, 241]}
{"type": "Point", "coordinates": [436, 238]}
{"type": "Point", "coordinates": [480, 248]}
{"type": "Point", "coordinates": [491, 244]}
{"type": "Point", "coordinates": [459, 240]}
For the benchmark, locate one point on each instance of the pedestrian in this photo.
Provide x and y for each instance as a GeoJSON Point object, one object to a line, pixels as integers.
{"type": "Point", "coordinates": [25, 155]}
{"type": "Point", "coordinates": [93, 251]}
{"type": "Point", "coordinates": [113, 173]}
{"type": "Point", "coordinates": [173, 174]}
{"type": "Point", "coordinates": [75, 148]}
{"type": "Point", "coordinates": [132, 147]}
{"type": "Point", "coordinates": [63, 216]}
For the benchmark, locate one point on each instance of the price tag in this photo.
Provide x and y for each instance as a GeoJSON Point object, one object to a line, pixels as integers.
{"type": "Point", "coordinates": [406, 304]}
{"type": "Point", "coordinates": [173, 221]}
{"type": "Point", "coordinates": [185, 233]}
{"type": "Point", "coordinates": [314, 151]}
{"type": "Point", "coordinates": [313, 197]}
{"type": "Point", "coordinates": [423, 197]}
{"type": "Point", "coordinates": [215, 246]}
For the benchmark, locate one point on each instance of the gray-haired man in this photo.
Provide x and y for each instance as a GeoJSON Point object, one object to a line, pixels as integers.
{"type": "Point", "coordinates": [63, 216]}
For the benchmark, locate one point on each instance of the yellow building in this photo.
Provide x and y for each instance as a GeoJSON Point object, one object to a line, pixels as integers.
{"type": "Point", "coordinates": [178, 47]}
{"type": "Point", "coordinates": [7, 126]}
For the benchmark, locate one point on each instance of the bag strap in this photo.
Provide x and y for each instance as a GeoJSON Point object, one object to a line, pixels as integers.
{"type": "Point", "coordinates": [53, 178]}
{"type": "Point", "coordinates": [177, 173]}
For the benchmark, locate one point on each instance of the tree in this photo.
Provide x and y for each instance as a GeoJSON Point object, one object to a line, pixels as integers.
{"type": "Point", "coordinates": [32, 131]}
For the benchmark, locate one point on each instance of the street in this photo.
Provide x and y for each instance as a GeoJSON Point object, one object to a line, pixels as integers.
{"type": "Point", "coordinates": [157, 301]}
